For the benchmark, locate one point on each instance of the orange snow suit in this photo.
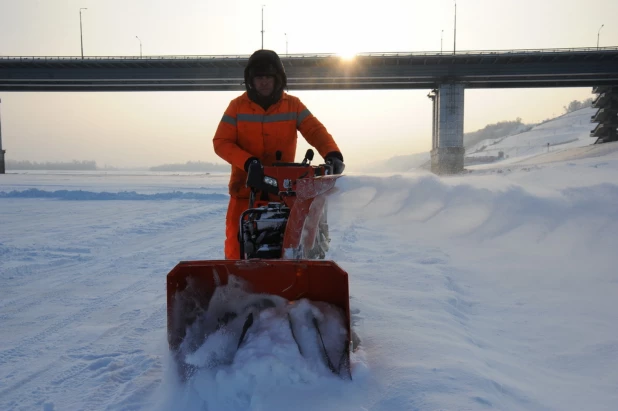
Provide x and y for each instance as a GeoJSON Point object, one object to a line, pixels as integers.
{"type": "Point", "coordinates": [247, 130]}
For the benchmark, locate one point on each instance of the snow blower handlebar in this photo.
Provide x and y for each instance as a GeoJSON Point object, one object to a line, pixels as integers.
{"type": "Point", "coordinates": [281, 178]}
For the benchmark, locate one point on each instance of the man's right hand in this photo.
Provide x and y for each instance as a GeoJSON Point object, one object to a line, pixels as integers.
{"type": "Point", "coordinates": [255, 173]}
{"type": "Point", "coordinates": [252, 161]}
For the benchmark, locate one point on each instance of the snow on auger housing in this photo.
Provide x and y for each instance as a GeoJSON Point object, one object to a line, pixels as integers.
{"type": "Point", "coordinates": [283, 240]}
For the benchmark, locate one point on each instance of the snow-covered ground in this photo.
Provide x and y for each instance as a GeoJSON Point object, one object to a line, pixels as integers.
{"type": "Point", "coordinates": [495, 289]}
{"type": "Point", "coordinates": [570, 130]}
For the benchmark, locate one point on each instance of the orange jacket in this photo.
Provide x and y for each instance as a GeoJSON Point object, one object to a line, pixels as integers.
{"type": "Point", "coordinates": [246, 131]}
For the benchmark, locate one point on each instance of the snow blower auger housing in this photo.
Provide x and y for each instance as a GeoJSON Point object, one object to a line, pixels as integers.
{"type": "Point", "coordinates": [283, 241]}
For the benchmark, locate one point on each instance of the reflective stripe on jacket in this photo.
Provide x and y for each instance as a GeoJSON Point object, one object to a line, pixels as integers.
{"type": "Point", "coordinates": [246, 130]}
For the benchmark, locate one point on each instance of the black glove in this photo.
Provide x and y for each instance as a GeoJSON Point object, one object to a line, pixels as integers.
{"type": "Point", "coordinates": [255, 173]}
{"type": "Point", "coordinates": [250, 161]}
{"type": "Point", "coordinates": [335, 159]}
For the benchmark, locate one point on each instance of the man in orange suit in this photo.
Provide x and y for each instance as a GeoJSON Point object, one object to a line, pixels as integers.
{"type": "Point", "coordinates": [257, 124]}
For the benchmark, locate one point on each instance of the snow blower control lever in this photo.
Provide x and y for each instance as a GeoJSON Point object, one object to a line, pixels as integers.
{"type": "Point", "coordinates": [308, 157]}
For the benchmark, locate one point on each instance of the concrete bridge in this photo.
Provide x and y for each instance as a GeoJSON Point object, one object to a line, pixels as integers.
{"type": "Point", "coordinates": [447, 75]}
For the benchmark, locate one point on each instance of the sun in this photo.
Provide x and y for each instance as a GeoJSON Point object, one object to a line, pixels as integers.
{"type": "Point", "coordinates": [347, 55]}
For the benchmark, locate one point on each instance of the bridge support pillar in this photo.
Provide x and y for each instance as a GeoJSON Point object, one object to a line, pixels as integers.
{"type": "Point", "coordinates": [447, 154]}
{"type": "Point", "coordinates": [2, 168]}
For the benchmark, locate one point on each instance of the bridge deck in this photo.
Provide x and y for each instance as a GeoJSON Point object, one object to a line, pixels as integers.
{"type": "Point", "coordinates": [474, 69]}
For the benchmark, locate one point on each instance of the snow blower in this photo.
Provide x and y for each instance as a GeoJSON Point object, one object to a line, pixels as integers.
{"type": "Point", "coordinates": [283, 242]}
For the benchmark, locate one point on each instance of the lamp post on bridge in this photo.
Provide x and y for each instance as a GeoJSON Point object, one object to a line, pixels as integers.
{"type": "Point", "coordinates": [286, 44]}
{"type": "Point", "coordinates": [140, 46]}
{"type": "Point", "coordinates": [441, 38]}
{"type": "Point", "coordinates": [81, 37]}
{"type": "Point", "coordinates": [263, 5]}
{"type": "Point", "coordinates": [455, 30]}
{"type": "Point", "coordinates": [598, 34]}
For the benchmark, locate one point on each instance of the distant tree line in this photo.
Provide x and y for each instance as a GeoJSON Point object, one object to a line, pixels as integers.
{"type": "Point", "coordinates": [192, 166]}
{"type": "Point", "coordinates": [33, 165]}
{"type": "Point", "coordinates": [577, 105]}
{"type": "Point", "coordinates": [496, 130]}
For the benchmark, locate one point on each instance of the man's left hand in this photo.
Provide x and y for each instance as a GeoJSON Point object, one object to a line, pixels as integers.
{"type": "Point", "coordinates": [335, 159]}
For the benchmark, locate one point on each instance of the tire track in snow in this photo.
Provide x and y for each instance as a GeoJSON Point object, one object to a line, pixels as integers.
{"type": "Point", "coordinates": [115, 364]}
{"type": "Point", "coordinates": [24, 345]}
{"type": "Point", "coordinates": [27, 379]}
{"type": "Point", "coordinates": [119, 363]}
{"type": "Point", "coordinates": [21, 274]}
{"type": "Point", "coordinates": [152, 227]}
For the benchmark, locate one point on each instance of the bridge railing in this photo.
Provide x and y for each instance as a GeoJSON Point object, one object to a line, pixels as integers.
{"type": "Point", "coordinates": [321, 55]}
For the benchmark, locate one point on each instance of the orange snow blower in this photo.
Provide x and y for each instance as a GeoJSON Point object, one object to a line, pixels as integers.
{"type": "Point", "coordinates": [283, 241]}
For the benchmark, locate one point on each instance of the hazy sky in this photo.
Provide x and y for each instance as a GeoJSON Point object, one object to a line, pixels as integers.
{"type": "Point", "coordinates": [151, 128]}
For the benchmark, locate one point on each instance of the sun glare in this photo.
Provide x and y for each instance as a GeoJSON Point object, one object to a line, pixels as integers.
{"type": "Point", "coordinates": [347, 54]}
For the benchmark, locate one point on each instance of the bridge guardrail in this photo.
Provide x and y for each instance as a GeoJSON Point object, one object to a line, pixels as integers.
{"type": "Point", "coordinates": [313, 55]}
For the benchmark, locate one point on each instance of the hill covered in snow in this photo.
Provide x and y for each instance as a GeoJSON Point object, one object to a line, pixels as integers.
{"type": "Point", "coordinates": [568, 131]}
{"type": "Point", "coordinates": [520, 141]}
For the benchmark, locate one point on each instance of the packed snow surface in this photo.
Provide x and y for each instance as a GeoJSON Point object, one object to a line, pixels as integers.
{"type": "Point", "coordinates": [494, 289]}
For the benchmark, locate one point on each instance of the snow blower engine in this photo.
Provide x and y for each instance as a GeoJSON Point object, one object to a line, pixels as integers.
{"type": "Point", "coordinates": [263, 225]}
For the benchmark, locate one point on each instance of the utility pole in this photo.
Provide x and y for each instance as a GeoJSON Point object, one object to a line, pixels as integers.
{"type": "Point", "coordinates": [263, 5]}
{"type": "Point", "coordinates": [2, 168]}
{"type": "Point", "coordinates": [81, 37]}
{"type": "Point", "coordinates": [455, 30]}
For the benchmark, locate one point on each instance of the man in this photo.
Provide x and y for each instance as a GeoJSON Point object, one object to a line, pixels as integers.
{"type": "Point", "coordinates": [256, 125]}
